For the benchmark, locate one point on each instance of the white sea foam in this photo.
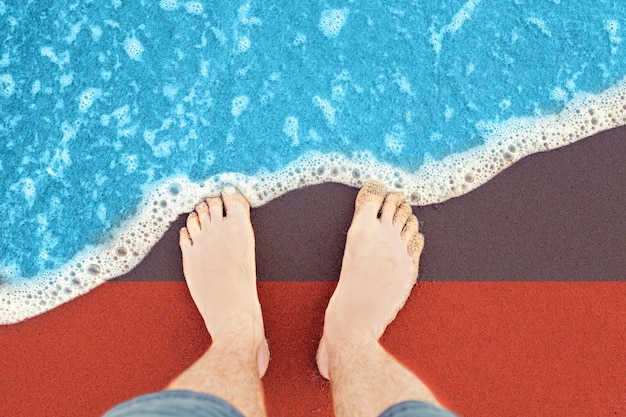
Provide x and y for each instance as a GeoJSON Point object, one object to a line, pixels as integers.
{"type": "Point", "coordinates": [133, 48]}
{"type": "Point", "coordinates": [434, 182]}
{"type": "Point", "coordinates": [66, 80]}
{"type": "Point", "coordinates": [7, 85]}
{"type": "Point", "coordinates": [5, 61]}
{"type": "Point", "coordinates": [291, 129]}
{"type": "Point", "coordinates": [464, 13]}
{"type": "Point", "coordinates": [244, 44]}
{"type": "Point", "coordinates": [332, 20]}
{"type": "Point", "coordinates": [327, 109]}
{"type": "Point", "coordinates": [239, 104]}
{"type": "Point", "coordinates": [36, 87]}
{"type": "Point", "coordinates": [168, 5]}
{"type": "Point", "coordinates": [194, 7]}
{"type": "Point", "coordinates": [87, 98]}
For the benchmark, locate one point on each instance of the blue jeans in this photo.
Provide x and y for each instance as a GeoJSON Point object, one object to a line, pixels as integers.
{"type": "Point", "coordinates": [194, 404]}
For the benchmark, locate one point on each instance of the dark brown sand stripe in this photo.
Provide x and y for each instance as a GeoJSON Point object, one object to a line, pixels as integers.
{"type": "Point", "coordinates": [554, 216]}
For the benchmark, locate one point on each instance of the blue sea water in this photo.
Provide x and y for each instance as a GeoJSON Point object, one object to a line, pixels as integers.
{"type": "Point", "coordinates": [99, 100]}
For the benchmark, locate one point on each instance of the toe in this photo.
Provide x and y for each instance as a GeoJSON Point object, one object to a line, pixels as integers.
{"type": "Point", "coordinates": [234, 202]}
{"type": "Point", "coordinates": [193, 225]}
{"type": "Point", "coordinates": [390, 206]}
{"type": "Point", "coordinates": [415, 247]}
{"type": "Point", "coordinates": [416, 244]}
{"type": "Point", "coordinates": [413, 238]}
{"type": "Point", "coordinates": [402, 215]}
{"type": "Point", "coordinates": [216, 208]}
{"type": "Point", "coordinates": [370, 198]}
{"type": "Point", "coordinates": [203, 214]}
{"type": "Point", "coordinates": [411, 228]}
{"type": "Point", "coordinates": [184, 238]}
{"type": "Point", "coordinates": [414, 241]}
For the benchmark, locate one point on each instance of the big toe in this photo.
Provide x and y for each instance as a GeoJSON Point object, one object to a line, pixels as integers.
{"type": "Point", "coordinates": [235, 203]}
{"type": "Point", "coordinates": [370, 198]}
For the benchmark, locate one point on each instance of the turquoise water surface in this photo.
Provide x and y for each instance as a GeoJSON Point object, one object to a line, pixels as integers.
{"type": "Point", "coordinates": [100, 100]}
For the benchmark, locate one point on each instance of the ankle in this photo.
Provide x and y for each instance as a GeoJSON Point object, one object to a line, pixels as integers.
{"type": "Point", "coordinates": [353, 338]}
{"type": "Point", "coordinates": [238, 331]}
{"type": "Point", "coordinates": [346, 327]}
{"type": "Point", "coordinates": [342, 349]}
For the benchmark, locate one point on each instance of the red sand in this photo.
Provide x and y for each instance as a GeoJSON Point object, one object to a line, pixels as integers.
{"type": "Point", "coordinates": [487, 349]}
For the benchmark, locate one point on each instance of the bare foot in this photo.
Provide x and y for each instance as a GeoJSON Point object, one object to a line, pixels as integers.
{"type": "Point", "coordinates": [379, 269]}
{"type": "Point", "coordinates": [219, 266]}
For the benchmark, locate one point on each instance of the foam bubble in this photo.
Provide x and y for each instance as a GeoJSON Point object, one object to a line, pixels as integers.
{"type": "Point", "coordinates": [29, 189]}
{"type": "Point", "coordinates": [332, 20]}
{"type": "Point", "coordinates": [122, 115]}
{"type": "Point", "coordinates": [170, 91]}
{"type": "Point", "coordinates": [75, 30]}
{"type": "Point", "coordinates": [219, 35]}
{"type": "Point", "coordinates": [87, 98]}
{"type": "Point", "coordinates": [540, 24]}
{"type": "Point", "coordinates": [60, 60]}
{"type": "Point", "coordinates": [101, 213]}
{"type": "Point", "coordinates": [558, 94]}
{"type": "Point", "coordinates": [327, 109]}
{"type": "Point", "coordinates": [394, 141]}
{"type": "Point", "coordinates": [612, 26]}
{"type": "Point", "coordinates": [169, 5]}
{"type": "Point", "coordinates": [36, 87]}
{"type": "Point", "coordinates": [462, 15]}
{"type": "Point", "coordinates": [204, 68]}
{"type": "Point", "coordinates": [404, 84]}
{"type": "Point", "coordinates": [243, 44]}
{"type": "Point", "coordinates": [130, 161]}
{"type": "Point", "coordinates": [457, 21]}
{"type": "Point", "coordinates": [7, 85]}
{"type": "Point", "coordinates": [96, 33]}
{"type": "Point", "coordinates": [239, 104]}
{"type": "Point", "coordinates": [290, 129]}
{"type": "Point", "coordinates": [66, 80]}
{"type": "Point", "coordinates": [338, 93]}
{"type": "Point", "coordinates": [300, 39]}
{"type": "Point", "coordinates": [133, 48]}
{"type": "Point", "coordinates": [243, 16]}
{"type": "Point", "coordinates": [314, 136]}
{"type": "Point", "coordinates": [194, 7]}
{"type": "Point", "coordinates": [149, 136]}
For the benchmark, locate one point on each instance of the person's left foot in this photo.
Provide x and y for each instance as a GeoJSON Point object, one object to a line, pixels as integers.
{"type": "Point", "coordinates": [219, 266]}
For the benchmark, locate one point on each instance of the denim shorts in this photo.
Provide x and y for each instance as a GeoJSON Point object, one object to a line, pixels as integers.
{"type": "Point", "coordinates": [174, 403]}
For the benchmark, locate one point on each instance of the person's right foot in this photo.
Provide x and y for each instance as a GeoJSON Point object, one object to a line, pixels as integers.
{"type": "Point", "coordinates": [219, 266]}
{"type": "Point", "coordinates": [379, 269]}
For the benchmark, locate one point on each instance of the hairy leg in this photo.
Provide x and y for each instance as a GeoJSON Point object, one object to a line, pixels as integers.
{"type": "Point", "coordinates": [378, 272]}
{"type": "Point", "coordinates": [219, 267]}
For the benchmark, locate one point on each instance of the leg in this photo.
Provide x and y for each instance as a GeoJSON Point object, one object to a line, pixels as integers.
{"type": "Point", "coordinates": [378, 271]}
{"type": "Point", "coordinates": [219, 266]}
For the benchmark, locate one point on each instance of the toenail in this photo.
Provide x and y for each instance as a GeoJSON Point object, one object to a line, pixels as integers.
{"type": "Point", "coordinates": [229, 190]}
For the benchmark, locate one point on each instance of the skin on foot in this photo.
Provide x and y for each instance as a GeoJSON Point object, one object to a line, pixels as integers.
{"type": "Point", "coordinates": [219, 267]}
{"type": "Point", "coordinates": [379, 269]}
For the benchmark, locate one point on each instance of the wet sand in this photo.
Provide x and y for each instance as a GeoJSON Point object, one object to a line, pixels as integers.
{"type": "Point", "coordinates": [553, 216]}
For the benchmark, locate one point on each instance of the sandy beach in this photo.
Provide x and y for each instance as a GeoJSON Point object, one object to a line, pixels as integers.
{"type": "Point", "coordinates": [553, 216]}
{"type": "Point", "coordinates": [519, 309]}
